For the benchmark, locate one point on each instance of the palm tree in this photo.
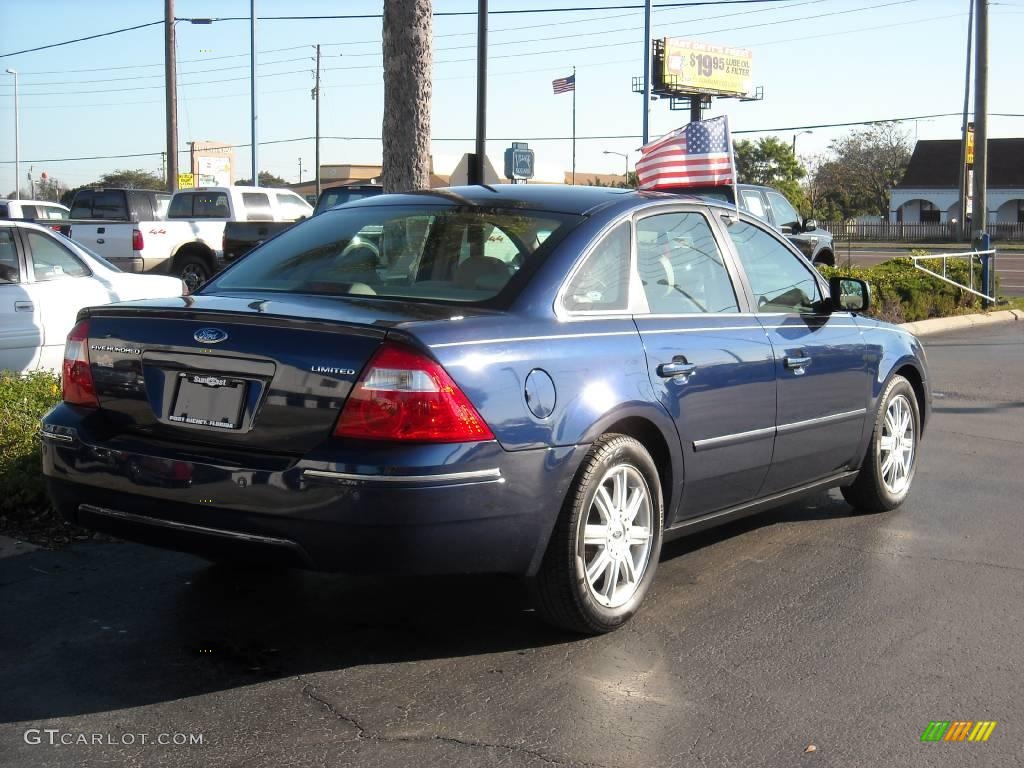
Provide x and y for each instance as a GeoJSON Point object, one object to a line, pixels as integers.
{"type": "Point", "coordinates": [408, 59]}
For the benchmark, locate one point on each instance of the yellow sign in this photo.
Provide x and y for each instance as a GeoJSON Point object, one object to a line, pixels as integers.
{"type": "Point", "coordinates": [186, 181]}
{"type": "Point", "coordinates": [970, 145]}
{"type": "Point", "coordinates": [703, 68]}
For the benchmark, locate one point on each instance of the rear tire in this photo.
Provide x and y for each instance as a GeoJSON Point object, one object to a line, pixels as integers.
{"type": "Point", "coordinates": [891, 461]}
{"type": "Point", "coordinates": [605, 547]}
{"type": "Point", "coordinates": [193, 268]}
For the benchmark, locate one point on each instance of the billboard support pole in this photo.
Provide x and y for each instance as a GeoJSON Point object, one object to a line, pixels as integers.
{"type": "Point", "coordinates": [695, 110]}
{"type": "Point", "coordinates": [647, 70]}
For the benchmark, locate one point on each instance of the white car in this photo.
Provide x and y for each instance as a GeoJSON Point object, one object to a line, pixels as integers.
{"type": "Point", "coordinates": [45, 279]}
{"type": "Point", "coordinates": [33, 209]}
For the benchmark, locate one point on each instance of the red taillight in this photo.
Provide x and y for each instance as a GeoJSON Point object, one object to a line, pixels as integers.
{"type": "Point", "coordinates": [77, 384]}
{"type": "Point", "coordinates": [404, 395]}
{"type": "Point", "coordinates": [137, 242]}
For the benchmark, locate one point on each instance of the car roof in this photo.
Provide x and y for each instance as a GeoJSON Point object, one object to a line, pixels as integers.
{"type": "Point", "coordinates": [561, 198]}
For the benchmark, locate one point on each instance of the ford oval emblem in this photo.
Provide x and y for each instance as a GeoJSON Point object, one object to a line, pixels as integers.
{"type": "Point", "coordinates": [209, 335]}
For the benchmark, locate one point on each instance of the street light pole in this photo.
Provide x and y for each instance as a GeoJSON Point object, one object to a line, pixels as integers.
{"type": "Point", "coordinates": [794, 140]}
{"type": "Point", "coordinates": [17, 139]}
{"type": "Point", "coordinates": [979, 218]}
{"type": "Point", "coordinates": [624, 156]}
{"type": "Point", "coordinates": [252, 85]}
{"type": "Point", "coordinates": [647, 71]}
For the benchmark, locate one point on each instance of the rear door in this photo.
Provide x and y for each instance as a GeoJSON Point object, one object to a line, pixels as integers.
{"type": "Point", "coordinates": [821, 365]}
{"type": "Point", "coordinates": [709, 359]}
{"type": "Point", "coordinates": [21, 332]}
{"type": "Point", "coordinates": [60, 284]}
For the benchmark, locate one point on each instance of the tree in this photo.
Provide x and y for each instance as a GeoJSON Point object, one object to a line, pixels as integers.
{"type": "Point", "coordinates": [267, 179]}
{"type": "Point", "coordinates": [137, 179]}
{"type": "Point", "coordinates": [862, 168]}
{"type": "Point", "coordinates": [50, 189]}
{"type": "Point", "coordinates": [771, 163]}
{"type": "Point", "coordinates": [408, 60]}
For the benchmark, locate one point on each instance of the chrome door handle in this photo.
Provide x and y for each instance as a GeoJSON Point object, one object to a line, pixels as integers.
{"type": "Point", "coordinates": [23, 306]}
{"type": "Point", "coordinates": [797, 363]}
{"type": "Point", "coordinates": [676, 368]}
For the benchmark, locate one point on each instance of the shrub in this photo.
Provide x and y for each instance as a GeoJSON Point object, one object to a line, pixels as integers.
{"type": "Point", "coordinates": [23, 402]}
{"type": "Point", "coordinates": [900, 293]}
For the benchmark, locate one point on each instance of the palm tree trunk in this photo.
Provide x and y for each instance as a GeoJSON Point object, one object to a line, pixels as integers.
{"type": "Point", "coordinates": [408, 59]}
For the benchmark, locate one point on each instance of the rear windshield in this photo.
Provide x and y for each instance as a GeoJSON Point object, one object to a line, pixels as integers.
{"type": "Point", "coordinates": [333, 197]}
{"type": "Point", "coordinates": [429, 252]}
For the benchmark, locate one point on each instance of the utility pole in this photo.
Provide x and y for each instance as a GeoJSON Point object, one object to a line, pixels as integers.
{"type": "Point", "coordinates": [171, 92]}
{"type": "Point", "coordinates": [300, 170]}
{"type": "Point", "coordinates": [476, 168]}
{"type": "Point", "coordinates": [647, 71]}
{"type": "Point", "coordinates": [316, 96]}
{"type": "Point", "coordinates": [252, 86]}
{"type": "Point", "coordinates": [980, 208]}
{"type": "Point", "coordinates": [962, 231]}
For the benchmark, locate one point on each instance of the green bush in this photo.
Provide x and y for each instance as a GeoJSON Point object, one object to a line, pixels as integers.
{"type": "Point", "coordinates": [902, 294]}
{"type": "Point", "coordinates": [23, 402]}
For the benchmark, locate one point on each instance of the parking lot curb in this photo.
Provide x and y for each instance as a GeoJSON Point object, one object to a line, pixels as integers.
{"type": "Point", "coordinates": [939, 324]}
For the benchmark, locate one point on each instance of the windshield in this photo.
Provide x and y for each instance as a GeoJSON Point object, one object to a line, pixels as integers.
{"type": "Point", "coordinates": [430, 252]}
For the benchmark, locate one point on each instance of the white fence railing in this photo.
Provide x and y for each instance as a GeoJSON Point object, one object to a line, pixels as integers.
{"type": "Point", "coordinates": [970, 256]}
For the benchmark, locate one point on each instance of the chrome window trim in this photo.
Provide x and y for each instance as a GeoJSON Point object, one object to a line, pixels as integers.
{"type": "Point", "coordinates": [476, 475]}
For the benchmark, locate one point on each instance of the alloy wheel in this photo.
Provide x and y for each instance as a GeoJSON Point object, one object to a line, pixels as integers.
{"type": "Point", "coordinates": [896, 445]}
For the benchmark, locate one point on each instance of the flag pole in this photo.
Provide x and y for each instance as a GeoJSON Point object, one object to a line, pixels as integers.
{"type": "Point", "coordinates": [732, 162]}
{"type": "Point", "coordinates": [574, 125]}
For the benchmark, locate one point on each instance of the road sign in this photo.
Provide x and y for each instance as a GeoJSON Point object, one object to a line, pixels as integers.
{"type": "Point", "coordinates": [519, 161]}
{"type": "Point", "coordinates": [186, 181]}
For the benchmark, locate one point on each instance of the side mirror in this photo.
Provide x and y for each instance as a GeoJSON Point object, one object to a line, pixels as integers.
{"type": "Point", "coordinates": [849, 294]}
{"type": "Point", "coordinates": [810, 224]}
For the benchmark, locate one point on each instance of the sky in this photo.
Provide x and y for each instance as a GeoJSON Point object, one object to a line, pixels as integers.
{"type": "Point", "coordinates": [819, 61]}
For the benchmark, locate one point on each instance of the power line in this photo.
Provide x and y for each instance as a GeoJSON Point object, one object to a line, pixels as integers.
{"type": "Point", "coordinates": [784, 129]}
{"type": "Point", "coordinates": [82, 39]}
{"type": "Point", "coordinates": [697, 4]}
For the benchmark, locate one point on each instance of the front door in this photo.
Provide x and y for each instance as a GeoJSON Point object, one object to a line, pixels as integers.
{"type": "Point", "coordinates": [710, 364]}
{"type": "Point", "coordinates": [824, 381]}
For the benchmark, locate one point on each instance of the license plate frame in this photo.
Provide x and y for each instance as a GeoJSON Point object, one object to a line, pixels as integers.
{"type": "Point", "coordinates": [208, 400]}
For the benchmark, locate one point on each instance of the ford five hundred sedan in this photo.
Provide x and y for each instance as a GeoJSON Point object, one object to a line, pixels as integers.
{"type": "Point", "coordinates": [541, 381]}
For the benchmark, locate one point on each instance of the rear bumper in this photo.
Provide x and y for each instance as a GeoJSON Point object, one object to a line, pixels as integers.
{"type": "Point", "coordinates": [470, 508]}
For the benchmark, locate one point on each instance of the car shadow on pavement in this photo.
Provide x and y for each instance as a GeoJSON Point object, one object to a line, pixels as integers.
{"type": "Point", "coordinates": [109, 626]}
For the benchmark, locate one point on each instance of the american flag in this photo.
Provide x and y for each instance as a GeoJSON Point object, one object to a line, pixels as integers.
{"type": "Point", "coordinates": [698, 154]}
{"type": "Point", "coordinates": [564, 84]}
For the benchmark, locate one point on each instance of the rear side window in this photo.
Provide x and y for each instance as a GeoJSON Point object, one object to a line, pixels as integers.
{"type": "Point", "coordinates": [3, 211]}
{"type": "Point", "coordinates": [752, 203]}
{"type": "Point", "coordinates": [53, 213]}
{"type": "Point", "coordinates": [9, 271]}
{"type": "Point", "coordinates": [292, 207]}
{"type": "Point", "coordinates": [430, 252]}
{"type": "Point", "coordinates": [602, 282]}
{"type": "Point", "coordinates": [51, 260]}
{"type": "Point", "coordinates": [109, 205]}
{"type": "Point", "coordinates": [681, 268]}
{"type": "Point", "coordinates": [29, 212]}
{"type": "Point", "coordinates": [257, 206]}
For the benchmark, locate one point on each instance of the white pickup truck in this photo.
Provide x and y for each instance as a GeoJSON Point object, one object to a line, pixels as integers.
{"type": "Point", "coordinates": [188, 241]}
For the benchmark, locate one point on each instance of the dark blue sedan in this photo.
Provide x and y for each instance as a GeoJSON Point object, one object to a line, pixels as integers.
{"type": "Point", "coordinates": [534, 380]}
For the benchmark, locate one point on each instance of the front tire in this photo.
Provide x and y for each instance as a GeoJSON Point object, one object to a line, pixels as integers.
{"type": "Point", "coordinates": [890, 464]}
{"type": "Point", "coordinates": [605, 547]}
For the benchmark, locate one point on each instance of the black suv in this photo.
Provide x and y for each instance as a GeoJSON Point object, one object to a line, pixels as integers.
{"type": "Point", "coordinates": [771, 206]}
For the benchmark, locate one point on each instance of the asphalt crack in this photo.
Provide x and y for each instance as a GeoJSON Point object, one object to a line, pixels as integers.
{"type": "Point", "coordinates": [364, 734]}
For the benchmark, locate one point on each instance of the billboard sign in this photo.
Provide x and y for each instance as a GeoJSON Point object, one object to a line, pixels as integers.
{"type": "Point", "coordinates": [692, 67]}
{"type": "Point", "coordinates": [186, 181]}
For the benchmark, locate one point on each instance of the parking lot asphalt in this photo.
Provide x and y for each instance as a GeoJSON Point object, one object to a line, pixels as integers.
{"type": "Point", "coordinates": [805, 626]}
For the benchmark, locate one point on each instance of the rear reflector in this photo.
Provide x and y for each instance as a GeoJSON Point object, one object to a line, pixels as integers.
{"type": "Point", "coordinates": [404, 395]}
{"type": "Point", "coordinates": [76, 383]}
